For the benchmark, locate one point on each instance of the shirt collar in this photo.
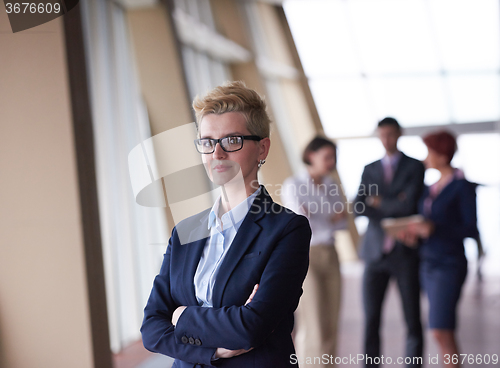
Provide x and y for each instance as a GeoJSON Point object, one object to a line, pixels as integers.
{"type": "Point", "coordinates": [394, 159]}
{"type": "Point", "coordinates": [233, 217]}
{"type": "Point", "coordinates": [307, 178]}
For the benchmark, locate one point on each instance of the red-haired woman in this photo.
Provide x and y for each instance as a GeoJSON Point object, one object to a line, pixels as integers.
{"type": "Point", "coordinates": [449, 207]}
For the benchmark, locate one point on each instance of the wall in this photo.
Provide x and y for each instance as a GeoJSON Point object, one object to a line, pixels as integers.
{"type": "Point", "coordinates": [44, 318]}
{"type": "Point", "coordinates": [161, 78]}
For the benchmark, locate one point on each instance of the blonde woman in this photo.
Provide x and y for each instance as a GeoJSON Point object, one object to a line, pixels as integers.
{"type": "Point", "coordinates": [229, 285]}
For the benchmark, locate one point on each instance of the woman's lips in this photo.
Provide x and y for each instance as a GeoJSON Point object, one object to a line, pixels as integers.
{"type": "Point", "coordinates": [221, 168]}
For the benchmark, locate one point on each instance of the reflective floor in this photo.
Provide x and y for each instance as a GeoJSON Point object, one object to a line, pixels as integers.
{"type": "Point", "coordinates": [479, 320]}
{"type": "Point", "coordinates": [478, 332]}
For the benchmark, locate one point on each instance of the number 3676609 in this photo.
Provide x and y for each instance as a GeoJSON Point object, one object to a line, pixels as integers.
{"type": "Point", "coordinates": [33, 8]}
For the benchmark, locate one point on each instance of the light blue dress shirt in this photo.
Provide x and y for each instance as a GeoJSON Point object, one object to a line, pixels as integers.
{"type": "Point", "coordinates": [222, 233]}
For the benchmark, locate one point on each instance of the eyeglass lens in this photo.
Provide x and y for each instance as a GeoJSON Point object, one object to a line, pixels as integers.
{"type": "Point", "coordinates": [229, 144]}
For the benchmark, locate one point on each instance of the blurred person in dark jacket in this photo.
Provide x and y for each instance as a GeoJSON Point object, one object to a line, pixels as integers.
{"type": "Point", "coordinates": [390, 188]}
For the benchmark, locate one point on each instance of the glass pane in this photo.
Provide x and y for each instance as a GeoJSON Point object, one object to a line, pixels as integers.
{"type": "Point", "coordinates": [205, 11]}
{"type": "Point", "coordinates": [180, 4]}
{"type": "Point", "coordinates": [479, 156]}
{"type": "Point", "coordinates": [475, 98]}
{"type": "Point", "coordinates": [413, 146]}
{"type": "Point", "coordinates": [414, 101]}
{"type": "Point", "coordinates": [219, 73]}
{"type": "Point", "coordinates": [321, 33]}
{"type": "Point", "coordinates": [353, 155]}
{"type": "Point", "coordinates": [467, 32]}
{"type": "Point", "coordinates": [352, 159]}
{"type": "Point", "coordinates": [192, 9]}
{"type": "Point", "coordinates": [189, 60]}
{"type": "Point", "coordinates": [203, 72]}
{"type": "Point", "coordinates": [343, 106]}
{"type": "Point", "coordinates": [393, 36]}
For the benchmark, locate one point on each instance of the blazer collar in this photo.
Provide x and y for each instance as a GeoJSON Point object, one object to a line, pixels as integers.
{"type": "Point", "coordinates": [247, 232]}
{"type": "Point", "coordinates": [399, 167]}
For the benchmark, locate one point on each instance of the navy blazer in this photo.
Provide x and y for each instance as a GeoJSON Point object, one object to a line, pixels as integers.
{"type": "Point", "coordinates": [399, 199]}
{"type": "Point", "coordinates": [454, 215]}
{"type": "Point", "coordinates": [271, 248]}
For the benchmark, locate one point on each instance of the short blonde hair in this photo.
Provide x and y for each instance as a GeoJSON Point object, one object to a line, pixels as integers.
{"type": "Point", "coordinates": [235, 97]}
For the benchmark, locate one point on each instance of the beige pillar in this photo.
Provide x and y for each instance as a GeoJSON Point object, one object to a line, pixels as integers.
{"type": "Point", "coordinates": [44, 314]}
{"type": "Point", "coordinates": [161, 77]}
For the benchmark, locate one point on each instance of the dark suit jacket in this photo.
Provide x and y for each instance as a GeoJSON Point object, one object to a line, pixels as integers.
{"type": "Point", "coordinates": [271, 249]}
{"type": "Point", "coordinates": [454, 216]}
{"type": "Point", "coordinates": [399, 199]}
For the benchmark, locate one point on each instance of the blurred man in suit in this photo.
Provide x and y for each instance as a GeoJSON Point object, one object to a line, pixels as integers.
{"type": "Point", "coordinates": [390, 187]}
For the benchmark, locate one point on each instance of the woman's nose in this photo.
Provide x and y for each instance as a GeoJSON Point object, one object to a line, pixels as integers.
{"type": "Point", "coordinates": [218, 152]}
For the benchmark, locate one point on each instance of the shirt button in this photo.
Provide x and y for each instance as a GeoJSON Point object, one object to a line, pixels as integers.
{"type": "Point", "coordinates": [191, 341]}
{"type": "Point", "coordinates": [184, 339]}
{"type": "Point", "coordinates": [197, 342]}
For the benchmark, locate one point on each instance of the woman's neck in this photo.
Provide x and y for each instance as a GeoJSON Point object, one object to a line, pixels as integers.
{"type": "Point", "coordinates": [315, 176]}
{"type": "Point", "coordinates": [235, 193]}
{"type": "Point", "coordinates": [446, 173]}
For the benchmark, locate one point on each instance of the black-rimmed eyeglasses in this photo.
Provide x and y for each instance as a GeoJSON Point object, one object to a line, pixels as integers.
{"type": "Point", "coordinates": [228, 144]}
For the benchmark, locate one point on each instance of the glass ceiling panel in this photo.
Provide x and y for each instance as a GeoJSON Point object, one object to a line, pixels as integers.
{"type": "Point", "coordinates": [343, 105]}
{"type": "Point", "coordinates": [325, 44]}
{"type": "Point", "coordinates": [393, 36]}
{"type": "Point", "coordinates": [411, 100]}
{"type": "Point", "coordinates": [475, 97]}
{"type": "Point", "coordinates": [425, 62]}
{"type": "Point", "coordinates": [468, 33]}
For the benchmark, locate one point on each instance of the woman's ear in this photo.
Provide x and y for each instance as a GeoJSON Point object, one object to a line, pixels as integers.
{"type": "Point", "coordinates": [264, 146]}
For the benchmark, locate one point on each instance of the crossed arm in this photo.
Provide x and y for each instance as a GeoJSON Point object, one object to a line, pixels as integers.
{"type": "Point", "coordinates": [230, 327]}
{"type": "Point", "coordinates": [220, 352]}
{"type": "Point", "coordinates": [378, 207]}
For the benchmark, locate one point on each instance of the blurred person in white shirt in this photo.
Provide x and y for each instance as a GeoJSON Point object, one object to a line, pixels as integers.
{"type": "Point", "coordinates": [316, 195]}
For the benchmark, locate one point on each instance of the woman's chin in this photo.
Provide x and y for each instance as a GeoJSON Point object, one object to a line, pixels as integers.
{"type": "Point", "coordinates": [224, 177]}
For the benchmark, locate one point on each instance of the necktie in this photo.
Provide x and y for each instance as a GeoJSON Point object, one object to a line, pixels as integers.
{"type": "Point", "coordinates": [389, 241]}
{"type": "Point", "coordinates": [388, 171]}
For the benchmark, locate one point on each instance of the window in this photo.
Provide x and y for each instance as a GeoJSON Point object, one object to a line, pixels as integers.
{"type": "Point", "coordinates": [424, 62]}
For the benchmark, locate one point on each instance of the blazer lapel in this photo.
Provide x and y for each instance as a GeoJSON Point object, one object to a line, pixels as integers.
{"type": "Point", "coordinates": [247, 232]}
{"type": "Point", "coordinates": [399, 169]}
{"type": "Point", "coordinates": [192, 254]}
{"type": "Point", "coordinates": [378, 174]}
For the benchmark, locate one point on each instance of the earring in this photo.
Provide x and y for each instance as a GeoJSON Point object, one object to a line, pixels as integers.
{"type": "Point", "coordinates": [261, 162]}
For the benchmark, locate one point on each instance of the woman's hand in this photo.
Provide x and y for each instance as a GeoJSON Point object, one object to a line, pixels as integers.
{"type": "Point", "coordinates": [177, 313]}
{"type": "Point", "coordinates": [255, 288]}
{"type": "Point", "coordinates": [426, 229]}
{"type": "Point", "coordinates": [408, 237]}
{"type": "Point", "coordinates": [225, 353]}
{"type": "Point", "coordinates": [413, 232]}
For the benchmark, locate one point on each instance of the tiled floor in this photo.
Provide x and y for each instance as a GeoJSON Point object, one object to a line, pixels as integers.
{"type": "Point", "coordinates": [479, 320]}
{"type": "Point", "coordinates": [478, 332]}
